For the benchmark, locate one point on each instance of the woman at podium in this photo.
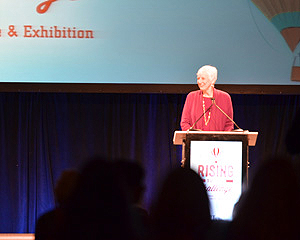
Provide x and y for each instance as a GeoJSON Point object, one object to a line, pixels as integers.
{"type": "Point", "coordinates": [207, 109]}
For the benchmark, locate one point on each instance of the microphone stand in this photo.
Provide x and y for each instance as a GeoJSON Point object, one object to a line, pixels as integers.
{"type": "Point", "coordinates": [214, 103]}
{"type": "Point", "coordinates": [191, 128]}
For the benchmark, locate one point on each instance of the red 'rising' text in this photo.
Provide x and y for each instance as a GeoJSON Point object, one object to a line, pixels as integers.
{"type": "Point", "coordinates": [215, 171]}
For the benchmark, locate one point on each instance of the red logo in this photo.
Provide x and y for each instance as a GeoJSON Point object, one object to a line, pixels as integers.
{"type": "Point", "coordinates": [44, 6]}
{"type": "Point", "coordinates": [215, 152]}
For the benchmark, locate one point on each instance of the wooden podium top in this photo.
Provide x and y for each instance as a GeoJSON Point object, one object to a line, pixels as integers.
{"type": "Point", "coordinates": [179, 136]}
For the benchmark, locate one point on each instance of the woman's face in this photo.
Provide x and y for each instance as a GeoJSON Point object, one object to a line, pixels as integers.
{"type": "Point", "coordinates": [204, 82]}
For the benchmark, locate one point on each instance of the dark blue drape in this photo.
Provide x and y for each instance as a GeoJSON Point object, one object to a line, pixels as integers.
{"type": "Point", "coordinates": [43, 134]}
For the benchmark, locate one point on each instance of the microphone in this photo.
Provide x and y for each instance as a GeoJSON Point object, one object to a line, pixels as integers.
{"type": "Point", "coordinates": [214, 103]}
{"type": "Point", "coordinates": [191, 128]}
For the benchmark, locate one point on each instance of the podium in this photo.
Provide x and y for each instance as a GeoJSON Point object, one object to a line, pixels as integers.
{"type": "Point", "coordinates": [222, 160]}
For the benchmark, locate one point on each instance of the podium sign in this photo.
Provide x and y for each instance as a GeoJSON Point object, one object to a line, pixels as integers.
{"type": "Point", "coordinates": [221, 160]}
{"type": "Point", "coordinates": [219, 164]}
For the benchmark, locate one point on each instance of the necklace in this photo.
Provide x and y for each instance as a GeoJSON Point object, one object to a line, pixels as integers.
{"type": "Point", "coordinates": [208, 118]}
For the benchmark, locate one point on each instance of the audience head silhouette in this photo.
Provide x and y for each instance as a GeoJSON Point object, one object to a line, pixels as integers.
{"type": "Point", "coordinates": [132, 175]}
{"type": "Point", "coordinates": [99, 207]}
{"type": "Point", "coordinates": [182, 208]}
{"type": "Point", "coordinates": [65, 186]}
{"type": "Point", "coordinates": [48, 225]}
{"type": "Point", "coordinates": [269, 209]}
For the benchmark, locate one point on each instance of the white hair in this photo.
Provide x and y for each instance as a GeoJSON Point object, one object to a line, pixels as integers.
{"type": "Point", "coordinates": [211, 71]}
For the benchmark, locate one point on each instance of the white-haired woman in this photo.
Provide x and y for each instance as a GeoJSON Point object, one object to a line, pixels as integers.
{"type": "Point", "coordinates": [198, 102]}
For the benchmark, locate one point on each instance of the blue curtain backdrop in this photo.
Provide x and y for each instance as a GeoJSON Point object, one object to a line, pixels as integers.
{"type": "Point", "coordinates": [43, 134]}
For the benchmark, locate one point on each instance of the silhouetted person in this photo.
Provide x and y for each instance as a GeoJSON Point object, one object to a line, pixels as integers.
{"type": "Point", "coordinates": [269, 209]}
{"type": "Point", "coordinates": [48, 224]}
{"type": "Point", "coordinates": [182, 208]}
{"type": "Point", "coordinates": [99, 207]}
{"type": "Point", "coordinates": [132, 175]}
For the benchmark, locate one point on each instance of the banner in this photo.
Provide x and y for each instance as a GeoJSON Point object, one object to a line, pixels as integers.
{"type": "Point", "coordinates": [219, 164]}
{"type": "Point", "coordinates": [131, 41]}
